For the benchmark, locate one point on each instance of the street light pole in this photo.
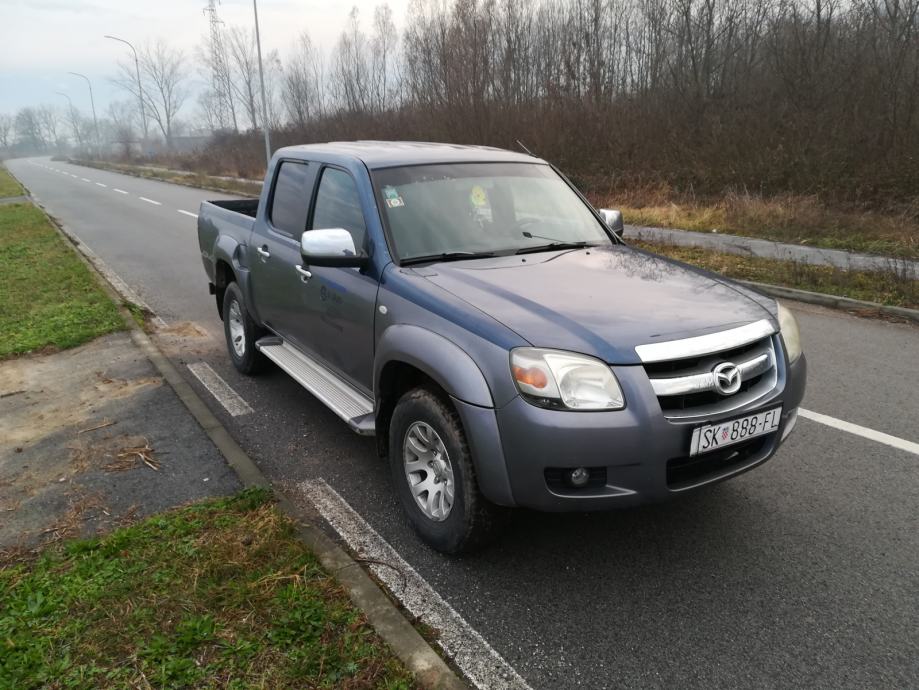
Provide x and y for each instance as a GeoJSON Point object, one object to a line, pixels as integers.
{"type": "Point", "coordinates": [92, 102]}
{"type": "Point", "coordinates": [261, 78]}
{"type": "Point", "coordinates": [140, 88]}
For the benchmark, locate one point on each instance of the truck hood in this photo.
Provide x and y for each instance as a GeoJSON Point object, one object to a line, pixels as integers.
{"type": "Point", "coordinates": [601, 301]}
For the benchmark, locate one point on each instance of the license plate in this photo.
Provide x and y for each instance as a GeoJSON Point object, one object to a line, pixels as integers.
{"type": "Point", "coordinates": [705, 439]}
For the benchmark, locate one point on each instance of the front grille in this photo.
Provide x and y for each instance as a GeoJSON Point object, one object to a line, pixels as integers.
{"type": "Point", "coordinates": [685, 386]}
{"type": "Point", "coordinates": [688, 471]}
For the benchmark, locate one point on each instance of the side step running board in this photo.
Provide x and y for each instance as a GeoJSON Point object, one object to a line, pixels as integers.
{"type": "Point", "coordinates": [339, 396]}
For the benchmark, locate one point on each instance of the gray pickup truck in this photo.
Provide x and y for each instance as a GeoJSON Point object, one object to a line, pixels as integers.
{"type": "Point", "coordinates": [470, 308]}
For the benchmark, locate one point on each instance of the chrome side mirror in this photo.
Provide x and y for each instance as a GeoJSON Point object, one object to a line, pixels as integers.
{"type": "Point", "coordinates": [613, 220]}
{"type": "Point", "coordinates": [330, 247]}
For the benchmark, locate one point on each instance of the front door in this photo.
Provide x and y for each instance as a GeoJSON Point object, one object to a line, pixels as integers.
{"type": "Point", "coordinates": [341, 301]}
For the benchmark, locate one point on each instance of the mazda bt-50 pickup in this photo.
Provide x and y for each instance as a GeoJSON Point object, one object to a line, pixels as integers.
{"type": "Point", "coordinates": [468, 307]}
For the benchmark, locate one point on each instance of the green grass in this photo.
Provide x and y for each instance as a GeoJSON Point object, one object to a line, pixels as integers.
{"type": "Point", "coordinates": [48, 297]}
{"type": "Point", "coordinates": [884, 287]}
{"type": "Point", "coordinates": [217, 594]}
{"type": "Point", "coordinates": [8, 184]}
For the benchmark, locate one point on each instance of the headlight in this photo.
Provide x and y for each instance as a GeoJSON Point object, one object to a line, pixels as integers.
{"type": "Point", "coordinates": [790, 334]}
{"type": "Point", "coordinates": [552, 378]}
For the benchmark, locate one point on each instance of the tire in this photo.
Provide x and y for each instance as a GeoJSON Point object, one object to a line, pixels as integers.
{"type": "Point", "coordinates": [471, 521]}
{"type": "Point", "coordinates": [241, 333]}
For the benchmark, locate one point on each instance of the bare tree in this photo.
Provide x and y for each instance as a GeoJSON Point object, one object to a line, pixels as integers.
{"type": "Point", "coordinates": [163, 74]}
{"type": "Point", "coordinates": [382, 52]}
{"type": "Point", "coordinates": [244, 65]}
{"type": "Point", "coordinates": [6, 130]}
{"type": "Point", "coordinates": [351, 69]}
{"type": "Point", "coordinates": [29, 129]}
{"type": "Point", "coordinates": [303, 80]}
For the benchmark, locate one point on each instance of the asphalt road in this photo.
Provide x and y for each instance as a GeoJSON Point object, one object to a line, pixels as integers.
{"type": "Point", "coordinates": [802, 572]}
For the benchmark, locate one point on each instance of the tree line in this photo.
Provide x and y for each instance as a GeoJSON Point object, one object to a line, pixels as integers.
{"type": "Point", "coordinates": [804, 96]}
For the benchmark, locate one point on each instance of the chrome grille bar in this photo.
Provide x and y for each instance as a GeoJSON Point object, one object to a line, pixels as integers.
{"type": "Point", "coordinates": [704, 344]}
{"type": "Point", "coordinates": [698, 383]}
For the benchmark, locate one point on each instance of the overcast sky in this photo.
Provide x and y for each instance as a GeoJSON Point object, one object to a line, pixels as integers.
{"type": "Point", "coordinates": [41, 40]}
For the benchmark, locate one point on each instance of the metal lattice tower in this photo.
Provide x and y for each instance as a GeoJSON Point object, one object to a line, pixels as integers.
{"type": "Point", "coordinates": [220, 73]}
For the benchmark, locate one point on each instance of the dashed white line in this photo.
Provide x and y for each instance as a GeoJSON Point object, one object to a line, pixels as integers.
{"type": "Point", "coordinates": [469, 650]}
{"type": "Point", "coordinates": [150, 201]}
{"type": "Point", "coordinates": [120, 191]}
{"type": "Point", "coordinates": [863, 431]}
{"type": "Point", "coordinates": [187, 213]}
{"type": "Point", "coordinates": [101, 185]}
{"type": "Point", "coordinates": [85, 179]}
{"type": "Point", "coordinates": [72, 175]}
{"type": "Point", "coordinates": [220, 389]}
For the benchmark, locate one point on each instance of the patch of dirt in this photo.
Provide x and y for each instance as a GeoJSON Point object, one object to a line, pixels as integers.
{"type": "Point", "coordinates": [184, 329]}
{"type": "Point", "coordinates": [39, 396]}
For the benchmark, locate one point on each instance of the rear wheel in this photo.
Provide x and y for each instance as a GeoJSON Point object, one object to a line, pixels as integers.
{"type": "Point", "coordinates": [241, 333]}
{"type": "Point", "coordinates": [434, 476]}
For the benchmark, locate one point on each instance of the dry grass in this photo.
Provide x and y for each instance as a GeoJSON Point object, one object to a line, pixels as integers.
{"type": "Point", "coordinates": [188, 179]}
{"type": "Point", "coordinates": [789, 218]}
{"type": "Point", "coordinates": [883, 287]}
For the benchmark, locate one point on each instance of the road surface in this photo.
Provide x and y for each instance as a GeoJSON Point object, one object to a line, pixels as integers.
{"type": "Point", "coordinates": [802, 572]}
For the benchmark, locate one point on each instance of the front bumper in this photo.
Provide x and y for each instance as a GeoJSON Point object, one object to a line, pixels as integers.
{"type": "Point", "coordinates": [633, 445]}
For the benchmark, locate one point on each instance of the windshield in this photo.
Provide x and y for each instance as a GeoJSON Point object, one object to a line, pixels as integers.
{"type": "Point", "coordinates": [473, 209]}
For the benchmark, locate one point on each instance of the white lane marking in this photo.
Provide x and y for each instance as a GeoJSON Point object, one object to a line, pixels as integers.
{"type": "Point", "coordinates": [472, 654]}
{"type": "Point", "coordinates": [72, 175]}
{"type": "Point", "coordinates": [84, 179]}
{"type": "Point", "coordinates": [187, 213]}
{"type": "Point", "coordinates": [149, 201]}
{"type": "Point", "coordinates": [120, 191]}
{"type": "Point", "coordinates": [101, 185]}
{"type": "Point", "coordinates": [220, 389]}
{"type": "Point", "coordinates": [863, 431]}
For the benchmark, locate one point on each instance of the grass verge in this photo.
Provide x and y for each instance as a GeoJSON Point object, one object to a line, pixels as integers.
{"type": "Point", "coordinates": [791, 219]}
{"type": "Point", "coordinates": [48, 297]}
{"type": "Point", "coordinates": [8, 184]}
{"type": "Point", "coordinates": [883, 287]}
{"type": "Point", "coordinates": [189, 179]}
{"type": "Point", "coordinates": [217, 594]}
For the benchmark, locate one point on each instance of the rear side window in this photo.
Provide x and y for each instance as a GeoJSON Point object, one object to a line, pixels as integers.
{"type": "Point", "coordinates": [291, 201]}
{"type": "Point", "coordinates": [339, 206]}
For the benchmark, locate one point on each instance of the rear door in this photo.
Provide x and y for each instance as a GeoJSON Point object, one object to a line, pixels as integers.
{"type": "Point", "coordinates": [341, 301]}
{"type": "Point", "coordinates": [275, 255]}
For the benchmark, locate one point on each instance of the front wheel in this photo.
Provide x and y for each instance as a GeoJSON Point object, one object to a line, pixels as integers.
{"type": "Point", "coordinates": [434, 476]}
{"type": "Point", "coordinates": [241, 333]}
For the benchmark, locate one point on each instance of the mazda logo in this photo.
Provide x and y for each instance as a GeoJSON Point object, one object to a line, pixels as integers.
{"type": "Point", "coordinates": [727, 378]}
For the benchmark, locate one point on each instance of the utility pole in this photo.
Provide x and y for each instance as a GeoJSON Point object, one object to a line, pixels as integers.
{"type": "Point", "coordinates": [92, 102]}
{"type": "Point", "coordinates": [261, 78]}
{"type": "Point", "coordinates": [140, 87]}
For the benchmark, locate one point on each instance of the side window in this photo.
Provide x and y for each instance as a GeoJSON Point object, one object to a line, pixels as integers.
{"type": "Point", "coordinates": [291, 201]}
{"type": "Point", "coordinates": [339, 206]}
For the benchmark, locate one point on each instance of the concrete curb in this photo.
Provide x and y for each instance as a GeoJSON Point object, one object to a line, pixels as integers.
{"type": "Point", "coordinates": [831, 301]}
{"type": "Point", "coordinates": [429, 669]}
{"type": "Point", "coordinates": [777, 251]}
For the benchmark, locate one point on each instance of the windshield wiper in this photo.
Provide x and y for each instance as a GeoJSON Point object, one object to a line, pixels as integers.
{"type": "Point", "coordinates": [446, 256]}
{"type": "Point", "coordinates": [551, 246]}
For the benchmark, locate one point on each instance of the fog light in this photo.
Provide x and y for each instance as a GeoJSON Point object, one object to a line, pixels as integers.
{"type": "Point", "coordinates": [579, 477]}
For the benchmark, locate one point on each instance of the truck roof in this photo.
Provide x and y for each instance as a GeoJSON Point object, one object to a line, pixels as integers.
{"type": "Point", "coordinates": [389, 154]}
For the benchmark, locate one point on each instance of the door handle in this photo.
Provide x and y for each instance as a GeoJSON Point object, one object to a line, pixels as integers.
{"type": "Point", "coordinates": [304, 274]}
{"type": "Point", "coordinates": [263, 252]}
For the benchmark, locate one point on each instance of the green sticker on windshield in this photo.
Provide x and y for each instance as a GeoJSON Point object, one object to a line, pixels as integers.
{"type": "Point", "coordinates": [390, 193]}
